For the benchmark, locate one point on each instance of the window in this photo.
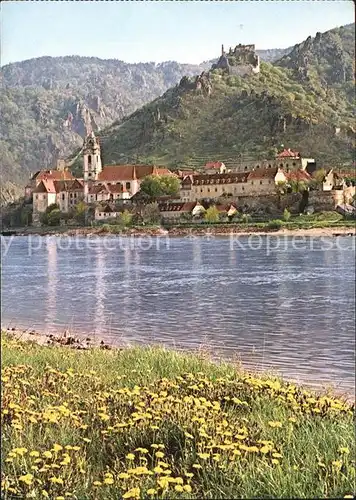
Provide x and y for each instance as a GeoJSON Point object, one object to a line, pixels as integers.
{"type": "Point", "coordinates": [269, 165]}
{"type": "Point", "coordinates": [71, 195]}
{"type": "Point", "coordinates": [63, 196]}
{"type": "Point", "coordinates": [201, 190]}
{"type": "Point", "coordinates": [243, 188]}
{"type": "Point", "coordinates": [128, 185]}
{"type": "Point", "coordinates": [261, 182]}
{"type": "Point", "coordinates": [245, 168]}
{"type": "Point", "coordinates": [208, 190]}
{"type": "Point", "coordinates": [281, 165]}
{"type": "Point", "coordinates": [216, 190]}
{"type": "Point", "coordinates": [89, 160]}
{"type": "Point", "coordinates": [287, 165]}
{"type": "Point", "coordinates": [294, 164]}
{"type": "Point", "coordinates": [252, 183]}
{"type": "Point", "coordinates": [36, 196]}
{"type": "Point", "coordinates": [89, 174]}
{"type": "Point", "coordinates": [75, 195]}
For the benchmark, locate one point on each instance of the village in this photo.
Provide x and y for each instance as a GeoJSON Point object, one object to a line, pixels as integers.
{"type": "Point", "coordinates": [262, 187]}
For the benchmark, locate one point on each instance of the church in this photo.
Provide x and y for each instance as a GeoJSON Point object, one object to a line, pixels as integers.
{"type": "Point", "coordinates": [99, 183]}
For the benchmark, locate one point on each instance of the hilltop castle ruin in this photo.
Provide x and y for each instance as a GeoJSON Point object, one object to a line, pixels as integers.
{"type": "Point", "coordinates": [240, 61]}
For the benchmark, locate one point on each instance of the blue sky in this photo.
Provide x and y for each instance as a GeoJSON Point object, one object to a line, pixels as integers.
{"type": "Point", "coordinates": [185, 31]}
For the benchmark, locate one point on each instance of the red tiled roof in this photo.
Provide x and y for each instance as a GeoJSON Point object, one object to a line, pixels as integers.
{"type": "Point", "coordinates": [263, 173]}
{"type": "Point", "coordinates": [130, 172]}
{"type": "Point", "coordinates": [45, 186]}
{"type": "Point", "coordinates": [177, 207]}
{"type": "Point", "coordinates": [55, 175]}
{"type": "Point", "coordinates": [297, 175]}
{"type": "Point", "coordinates": [97, 189]}
{"type": "Point", "coordinates": [288, 153]}
{"type": "Point", "coordinates": [68, 186]}
{"type": "Point", "coordinates": [213, 164]}
{"type": "Point", "coordinates": [228, 178]}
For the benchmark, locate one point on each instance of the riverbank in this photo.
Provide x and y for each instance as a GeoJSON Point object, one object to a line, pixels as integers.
{"type": "Point", "coordinates": [151, 423]}
{"type": "Point", "coordinates": [215, 230]}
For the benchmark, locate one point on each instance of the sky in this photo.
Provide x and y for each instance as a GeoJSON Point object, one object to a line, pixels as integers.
{"type": "Point", "coordinates": [145, 31]}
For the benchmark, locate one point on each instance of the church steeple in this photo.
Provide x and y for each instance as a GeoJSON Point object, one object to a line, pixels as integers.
{"type": "Point", "coordinates": [222, 50]}
{"type": "Point", "coordinates": [91, 161]}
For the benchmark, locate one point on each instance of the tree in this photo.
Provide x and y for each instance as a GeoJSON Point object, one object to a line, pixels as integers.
{"type": "Point", "coordinates": [286, 215]}
{"type": "Point", "coordinates": [125, 218]}
{"type": "Point", "coordinates": [80, 214]}
{"type": "Point", "coordinates": [160, 185]}
{"type": "Point", "coordinates": [54, 217]}
{"type": "Point", "coordinates": [151, 214]}
{"type": "Point", "coordinates": [212, 214]}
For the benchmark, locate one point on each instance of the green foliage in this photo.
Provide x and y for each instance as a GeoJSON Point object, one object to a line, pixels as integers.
{"type": "Point", "coordinates": [54, 217]}
{"type": "Point", "coordinates": [81, 212]}
{"type": "Point", "coordinates": [125, 218]}
{"type": "Point", "coordinates": [245, 218]}
{"type": "Point", "coordinates": [155, 186]}
{"type": "Point", "coordinates": [275, 224]}
{"type": "Point", "coordinates": [151, 213]}
{"type": "Point", "coordinates": [286, 215]}
{"type": "Point", "coordinates": [211, 214]}
{"type": "Point", "coordinates": [291, 443]}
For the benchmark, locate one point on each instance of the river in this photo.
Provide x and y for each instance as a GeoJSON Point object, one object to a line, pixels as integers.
{"type": "Point", "coordinates": [284, 304]}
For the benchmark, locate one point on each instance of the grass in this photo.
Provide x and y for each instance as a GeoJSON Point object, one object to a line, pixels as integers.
{"type": "Point", "coordinates": [151, 423]}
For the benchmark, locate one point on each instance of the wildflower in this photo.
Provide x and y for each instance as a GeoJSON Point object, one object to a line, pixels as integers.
{"type": "Point", "coordinates": [60, 498]}
{"type": "Point", "coordinates": [274, 424]}
{"type": "Point", "coordinates": [45, 494]}
{"type": "Point", "coordinates": [346, 451]}
{"type": "Point", "coordinates": [277, 455]}
{"type": "Point", "coordinates": [275, 461]}
{"type": "Point", "coordinates": [337, 464]}
{"type": "Point", "coordinates": [159, 454]}
{"type": "Point", "coordinates": [20, 451]}
{"type": "Point", "coordinates": [56, 480]}
{"type": "Point", "coordinates": [108, 480]}
{"type": "Point", "coordinates": [179, 488]}
{"type": "Point", "coordinates": [187, 488]}
{"type": "Point", "coordinates": [292, 419]}
{"type": "Point", "coordinates": [124, 475]}
{"type": "Point", "coordinates": [27, 479]}
{"type": "Point", "coordinates": [34, 453]}
{"type": "Point", "coordinates": [203, 456]}
{"type": "Point", "coordinates": [151, 491]}
{"type": "Point", "coordinates": [265, 449]}
{"type": "Point", "coordinates": [130, 456]}
{"type": "Point", "coordinates": [57, 447]}
{"type": "Point", "coordinates": [133, 493]}
{"type": "Point", "coordinates": [97, 483]}
{"type": "Point", "coordinates": [197, 466]}
{"type": "Point", "coordinates": [158, 470]}
{"type": "Point", "coordinates": [47, 454]}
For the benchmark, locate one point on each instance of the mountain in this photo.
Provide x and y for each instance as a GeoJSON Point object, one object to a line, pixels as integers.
{"type": "Point", "coordinates": [304, 100]}
{"type": "Point", "coordinates": [48, 103]}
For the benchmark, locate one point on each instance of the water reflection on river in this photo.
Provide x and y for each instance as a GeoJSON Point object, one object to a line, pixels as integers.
{"type": "Point", "coordinates": [291, 308]}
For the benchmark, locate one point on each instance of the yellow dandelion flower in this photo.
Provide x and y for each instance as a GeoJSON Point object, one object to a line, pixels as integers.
{"type": "Point", "coordinates": [189, 474]}
{"type": "Point", "coordinates": [274, 424]}
{"type": "Point", "coordinates": [348, 496]}
{"type": "Point", "coordinates": [47, 454]}
{"type": "Point", "coordinates": [187, 488]}
{"type": "Point", "coordinates": [197, 466]}
{"type": "Point", "coordinates": [124, 475]}
{"type": "Point", "coordinates": [34, 453]}
{"type": "Point", "coordinates": [337, 464]}
{"type": "Point", "coordinates": [130, 456]}
{"type": "Point", "coordinates": [158, 470]}
{"type": "Point", "coordinates": [20, 451]}
{"type": "Point", "coordinates": [277, 455]}
{"type": "Point", "coordinates": [60, 498]}
{"type": "Point", "coordinates": [203, 456]}
{"type": "Point", "coordinates": [56, 480]}
{"type": "Point", "coordinates": [265, 449]}
{"type": "Point", "coordinates": [142, 450]}
{"type": "Point", "coordinates": [97, 483]}
{"type": "Point", "coordinates": [108, 480]}
{"type": "Point", "coordinates": [275, 461]}
{"type": "Point", "coordinates": [151, 491]}
{"type": "Point", "coordinates": [292, 419]}
{"type": "Point", "coordinates": [159, 454]}
{"type": "Point", "coordinates": [9, 460]}
{"type": "Point", "coordinates": [346, 451]}
{"type": "Point", "coordinates": [132, 493]}
{"type": "Point", "coordinates": [57, 447]}
{"type": "Point", "coordinates": [179, 488]}
{"type": "Point", "coordinates": [45, 494]}
{"type": "Point", "coordinates": [27, 479]}
{"type": "Point", "coordinates": [163, 482]}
